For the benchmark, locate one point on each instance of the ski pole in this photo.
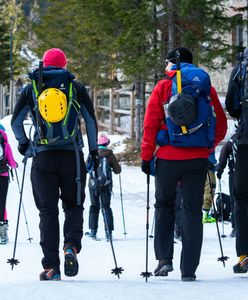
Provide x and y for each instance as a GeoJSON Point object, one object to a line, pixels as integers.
{"type": "Point", "coordinates": [117, 270]}
{"type": "Point", "coordinates": [24, 212]}
{"type": "Point", "coordinates": [13, 261]}
{"type": "Point", "coordinates": [153, 223]}
{"type": "Point", "coordinates": [222, 258]}
{"type": "Point", "coordinates": [147, 274]}
{"type": "Point", "coordinates": [122, 209]}
{"type": "Point", "coordinates": [222, 210]}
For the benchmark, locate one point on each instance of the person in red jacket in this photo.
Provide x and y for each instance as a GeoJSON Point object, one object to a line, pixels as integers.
{"type": "Point", "coordinates": [188, 165]}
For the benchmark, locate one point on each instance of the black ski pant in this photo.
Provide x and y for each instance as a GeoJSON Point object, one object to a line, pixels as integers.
{"type": "Point", "coordinates": [101, 200]}
{"type": "Point", "coordinates": [178, 211]}
{"type": "Point", "coordinates": [192, 175]}
{"type": "Point", "coordinates": [53, 176]}
{"type": "Point", "coordinates": [241, 200]}
{"type": "Point", "coordinates": [4, 184]}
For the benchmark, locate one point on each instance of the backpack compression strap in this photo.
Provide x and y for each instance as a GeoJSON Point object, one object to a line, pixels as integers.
{"type": "Point", "coordinates": [179, 83]}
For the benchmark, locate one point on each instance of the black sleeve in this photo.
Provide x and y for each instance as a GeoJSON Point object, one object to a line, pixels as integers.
{"type": "Point", "coordinates": [224, 154]}
{"type": "Point", "coordinates": [233, 97]}
{"type": "Point", "coordinates": [87, 111]}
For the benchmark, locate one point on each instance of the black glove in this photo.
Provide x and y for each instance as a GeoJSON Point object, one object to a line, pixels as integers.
{"type": "Point", "coordinates": [92, 160]}
{"type": "Point", "coordinates": [218, 174]}
{"type": "Point", "coordinates": [145, 167]}
{"type": "Point", "coordinates": [23, 148]}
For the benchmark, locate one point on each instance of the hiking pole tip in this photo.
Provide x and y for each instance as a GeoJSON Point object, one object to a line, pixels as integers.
{"type": "Point", "coordinates": [117, 271]}
{"type": "Point", "coordinates": [146, 275]}
{"type": "Point", "coordinates": [223, 259]}
{"type": "Point", "coordinates": [13, 262]}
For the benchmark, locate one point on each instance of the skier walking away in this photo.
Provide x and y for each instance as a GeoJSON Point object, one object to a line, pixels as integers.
{"type": "Point", "coordinates": [174, 163]}
{"type": "Point", "coordinates": [228, 155]}
{"type": "Point", "coordinates": [6, 161]}
{"type": "Point", "coordinates": [209, 190]}
{"type": "Point", "coordinates": [58, 168]}
{"type": "Point", "coordinates": [100, 194]}
{"type": "Point", "coordinates": [236, 105]}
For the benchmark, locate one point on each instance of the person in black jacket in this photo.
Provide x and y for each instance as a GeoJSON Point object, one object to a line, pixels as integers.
{"type": "Point", "coordinates": [234, 97]}
{"type": "Point", "coordinates": [58, 168]}
{"type": "Point", "coordinates": [100, 195]}
{"type": "Point", "coordinates": [228, 155]}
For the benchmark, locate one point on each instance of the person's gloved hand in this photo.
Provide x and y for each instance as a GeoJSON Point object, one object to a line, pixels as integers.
{"type": "Point", "coordinates": [92, 161]}
{"type": "Point", "coordinates": [24, 149]}
{"type": "Point", "coordinates": [145, 166]}
{"type": "Point", "coordinates": [218, 174]}
{"type": "Point", "coordinates": [212, 162]}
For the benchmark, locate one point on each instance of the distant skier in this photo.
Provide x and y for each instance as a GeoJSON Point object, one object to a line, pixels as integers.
{"type": "Point", "coordinates": [6, 161]}
{"type": "Point", "coordinates": [228, 155]}
{"type": "Point", "coordinates": [100, 193]}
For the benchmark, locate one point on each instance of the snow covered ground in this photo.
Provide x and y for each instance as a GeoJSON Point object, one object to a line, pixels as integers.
{"type": "Point", "coordinates": [95, 280]}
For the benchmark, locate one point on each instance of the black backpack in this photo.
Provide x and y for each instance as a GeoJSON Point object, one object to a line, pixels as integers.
{"type": "Point", "coordinates": [223, 203]}
{"type": "Point", "coordinates": [64, 131]}
{"type": "Point", "coordinates": [241, 102]}
{"type": "Point", "coordinates": [104, 175]}
{"type": "Point", "coordinates": [3, 162]}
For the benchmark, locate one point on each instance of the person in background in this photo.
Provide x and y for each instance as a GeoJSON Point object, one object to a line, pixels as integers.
{"type": "Point", "coordinates": [228, 155]}
{"type": "Point", "coordinates": [188, 165]}
{"type": "Point", "coordinates": [209, 191]}
{"type": "Point", "coordinates": [100, 196]}
{"type": "Point", "coordinates": [6, 161]}
{"type": "Point", "coordinates": [237, 109]}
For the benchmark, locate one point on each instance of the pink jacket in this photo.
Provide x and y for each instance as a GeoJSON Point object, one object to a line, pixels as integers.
{"type": "Point", "coordinates": [8, 153]}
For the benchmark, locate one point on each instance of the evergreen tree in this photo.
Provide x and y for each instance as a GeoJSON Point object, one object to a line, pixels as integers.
{"type": "Point", "coordinates": [5, 46]}
{"type": "Point", "coordinates": [204, 27]}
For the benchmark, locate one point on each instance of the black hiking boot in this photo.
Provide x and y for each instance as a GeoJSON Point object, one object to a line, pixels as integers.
{"type": "Point", "coordinates": [241, 266]}
{"type": "Point", "coordinates": [188, 277]}
{"type": "Point", "coordinates": [50, 274]}
{"type": "Point", "coordinates": [233, 233]}
{"type": "Point", "coordinates": [71, 263]}
{"type": "Point", "coordinates": [164, 266]}
{"type": "Point", "coordinates": [93, 233]}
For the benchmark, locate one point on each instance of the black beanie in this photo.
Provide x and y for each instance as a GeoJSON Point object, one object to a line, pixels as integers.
{"type": "Point", "coordinates": [185, 55]}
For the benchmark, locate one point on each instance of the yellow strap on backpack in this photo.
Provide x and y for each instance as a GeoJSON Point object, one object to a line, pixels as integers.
{"type": "Point", "coordinates": [179, 83]}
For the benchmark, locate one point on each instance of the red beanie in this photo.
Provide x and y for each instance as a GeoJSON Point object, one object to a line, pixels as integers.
{"type": "Point", "coordinates": [54, 57]}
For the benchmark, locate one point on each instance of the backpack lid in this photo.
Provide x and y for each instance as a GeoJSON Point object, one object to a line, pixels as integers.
{"type": "Point", "coordinates": [52, 76]}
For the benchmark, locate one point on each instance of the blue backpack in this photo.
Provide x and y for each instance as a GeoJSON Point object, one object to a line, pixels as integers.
{"type": "Point", "coordinates": [200, 130]}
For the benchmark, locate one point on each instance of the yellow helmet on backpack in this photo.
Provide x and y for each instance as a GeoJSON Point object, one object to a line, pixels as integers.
{"type": "Point", "coordinates": [52, 105]}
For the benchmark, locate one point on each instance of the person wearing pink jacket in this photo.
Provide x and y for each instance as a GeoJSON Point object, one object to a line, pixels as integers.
{"type": "Point", "coordinates": [6, 161]}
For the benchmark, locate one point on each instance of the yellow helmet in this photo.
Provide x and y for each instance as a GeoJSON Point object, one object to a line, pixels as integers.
{"type": "Point", "coordinates": [52, 105]}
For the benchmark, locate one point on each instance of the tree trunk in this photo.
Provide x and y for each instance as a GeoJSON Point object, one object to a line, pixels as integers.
{"type": "Point", "coordinates": [171, 25]}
